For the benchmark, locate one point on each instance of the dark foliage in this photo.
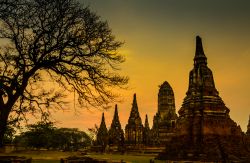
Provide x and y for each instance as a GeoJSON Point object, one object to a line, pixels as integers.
{"type": "Point", "coordinates": [46, 135]}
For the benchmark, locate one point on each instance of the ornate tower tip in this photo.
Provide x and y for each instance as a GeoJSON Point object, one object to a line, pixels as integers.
{"type": "Point", "coordinates": [134, 104]}
{"type": "Point", "coordinates": [165, 83]}
{"type": "Point", "coordinates": [200, 57]}
{"type": "Point", "coordinates": [199, 47]}
{"type": "Point", "coordinates": [199, 42]}
{"type": "Point", "coordinates": [134, 99]}
{"type": "Point", "coordinates": [198, 37]}
{"type": "Point", "coordinates": [146, 121]}
{"type": "Point", "coordinates": [116, 108]}
{"type": "Point", "coordinates": [103, 118]}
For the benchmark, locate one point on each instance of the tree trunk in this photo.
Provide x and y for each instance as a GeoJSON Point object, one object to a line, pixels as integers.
{"type": "Point", "coordinates": [4, 114]}
{"type": "Point", "coordinates": [6, 108]}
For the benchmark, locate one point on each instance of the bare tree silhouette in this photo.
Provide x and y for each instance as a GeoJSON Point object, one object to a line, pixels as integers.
{"type": "Point", "coordinates": [57, 39]}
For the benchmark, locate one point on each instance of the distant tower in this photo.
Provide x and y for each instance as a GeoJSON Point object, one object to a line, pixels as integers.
{"type": "Point", "coordinates": [102, 134]}
{"type": "Point", "coordinates": [166, 102]}
{"type": "Point", "coordinates": [134, 128]}
{"type": "Point", "coordinates": [116, 135]}
{"type": "Point", "coordinates": [165, 118]}
{"type": "Point", "coordinates": [146, 132]}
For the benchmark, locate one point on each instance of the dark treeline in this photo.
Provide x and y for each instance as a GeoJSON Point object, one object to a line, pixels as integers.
{"type": "Point", "coordinates": [47, 136]}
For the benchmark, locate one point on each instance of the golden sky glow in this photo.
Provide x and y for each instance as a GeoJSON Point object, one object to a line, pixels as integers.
{"type": "Point", "coordinates": [160, 45]}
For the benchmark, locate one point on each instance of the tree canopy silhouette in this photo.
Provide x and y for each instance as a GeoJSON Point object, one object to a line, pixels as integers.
{"type": "Point", "coordinates": [47, 135]}
{"type": "Point", "coordinates": [59, 40]}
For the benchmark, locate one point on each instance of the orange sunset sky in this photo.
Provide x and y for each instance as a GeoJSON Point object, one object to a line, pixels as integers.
{"type": "Point", "coordinates": [159, 38]}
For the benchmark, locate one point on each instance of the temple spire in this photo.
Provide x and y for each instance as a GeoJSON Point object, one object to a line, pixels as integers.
{"type": "Point", "coordinates": [134, 111]}
{"type": "Point", "coordinates": [116, 113]}
{"type": "Point", "coordinates": [146, 132]}
{"type": "Point", "coordinates": [146, 125]}
{"type": "Point", "coordinates": [103, 119]}
{"type": "Point", "coordinates": [116, 135]}
{"type": "Point", "coordinates": [103, 124]}
{"type": "Point", "coordinates": [116, 122]}
{"type": "Point", "coordinates": [200, 57]}
{"type": "Point", "coordinates": [134, 105]}
{"type": "Point", "coordinates": [134, 128]}
{"type": "Point", "coordinates": [102, 134]}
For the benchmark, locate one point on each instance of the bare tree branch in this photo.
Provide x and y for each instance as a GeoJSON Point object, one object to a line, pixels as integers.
{"type": "Point", "coordinates": [65, 41]}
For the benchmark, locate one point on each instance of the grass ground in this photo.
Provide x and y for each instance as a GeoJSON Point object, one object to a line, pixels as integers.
{"type": "Point", "coordinates": [126, 157]}
{"type": "Point", "coordinates": [55, 156]}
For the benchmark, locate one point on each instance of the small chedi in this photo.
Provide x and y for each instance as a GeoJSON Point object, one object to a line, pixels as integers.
{"type": "Point", "coordinates": [113, 137]}
{"type": "Point", "coordinates": [204, 129]}
{"type": "Point", "coordinates": [116, 134]}
{"type": "Point", "coordinates": [102, 134]}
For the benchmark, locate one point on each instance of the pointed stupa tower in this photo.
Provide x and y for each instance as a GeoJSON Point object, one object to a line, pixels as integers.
{"type": "Point", "coordinates": [204, 130]}
{"type": "Point", "coordinates": [134, 128]}
{"type": "Point", "coordinates": [102, 134]}
{"type": "Point", "coordinates": [116, 135]}
{"type": "Point", "coordinates": [146, 132]}
{"type": "Point", "coordinates": [165, 118]}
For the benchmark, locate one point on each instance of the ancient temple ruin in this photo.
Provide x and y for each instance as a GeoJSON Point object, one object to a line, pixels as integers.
{"type": "Point", "coordinates": [134, 128]}
{"type": "Point", "coordinates": [204, 129]}
{"type": "Point", "coordinates": [165, 118]}
{"type": "Point", "coordinates": [135, 133]}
